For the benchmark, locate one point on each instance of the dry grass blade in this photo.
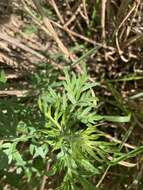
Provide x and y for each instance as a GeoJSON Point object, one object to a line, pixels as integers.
{"type": "Point", "coordinates": [103, 11]}
{"type": "Point", "coordinates": [73, 17]}
{"type": "Point", "coordinates": [133, 17]}
{"type": "Point", "coordinates": [13, 76]}
{"type": "Point", "coordinates": [75, 33]}
{"type": "Point", "coordinates": [135, 4]}
{"type": "Point", "coordinates": [53, 4]}
{"type": "Point", "coordinates": [124, 163]}
{"type": "Point", "coordinates": [48, 28]}
{"type": "Point", "coordinates": [122, 10]}
{"type": "Point", "coordinates": [118, 141]}
{"type": "Point", "coordinates": [17, 93]}
{"type": "Point", "coordinates": [15, 42]}
{"type": "Point", "coordinates": [85, 12]}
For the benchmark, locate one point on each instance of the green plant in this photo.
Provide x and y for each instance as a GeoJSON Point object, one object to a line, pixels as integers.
{"type": "Point", "coordinates": [65, 139]}
{"type": "Point", "coordinates": [80, 151]}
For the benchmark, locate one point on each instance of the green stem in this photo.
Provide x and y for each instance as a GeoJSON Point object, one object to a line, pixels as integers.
{"type": "Point", "coordinates": [53, 121]}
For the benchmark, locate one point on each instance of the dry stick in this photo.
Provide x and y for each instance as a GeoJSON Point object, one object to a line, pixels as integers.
{"type": "Point", "coordinates": [38, 23]}
{"type": "Point", "coordinates": [122, 9]}
{"type": "Point", "coordinates": [74, 15]}
{"type": "Point", "coordinates": [131, 23]}
{"type": "Point", "coordinates": [17, 93]}
{"type": "Point", "coordinates": [62, 27]}
{"type": "Point", "coordinates": [83, 16]}
{"type": "Point", "coordinates": [5, 59]}
{"type": "Point", "coordinates": [44, 180]}
{"type": "Point", "coordinates": [79, 24]}
{"type": "Point", "coordinates": [117, 32]}
{"type": "Point", "coordinates": [52, 2]}
{"type": "Point", "coordinates": [103, 13]}
{"type": "Point", "coordinates": [118, 141]}
{"type": "Point", "coordinates": [78, 11]}
{"type": "Point", "coordinates": [15, 42]}
{"type": "Point", "coordinates": [67, 54]}
{"type": "Point", "coordinates": [35, 20]}
{"type": "Point", "coordinates": [48, 28]}
{"type": "Point", "coordinates": [85, 12]}
{"type": "Point", "coordinates": [13, 76]}
{"type": "Point", "coordinates": [85, 38]}
{"type": "Point", "coordinates": [72, 32]}
{"type": "Point", "coordinates": [48, 32]}
{"type": "Point", "coordinates": [75, 34]}
{"type": "Point", "coordinates": [124, 163]}
{"type": "Point", "coordinates": [122, 33]}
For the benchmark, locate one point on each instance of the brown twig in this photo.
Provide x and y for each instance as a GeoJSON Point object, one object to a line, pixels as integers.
{"type": "Point", "coordinates": [85, 12]}
{"type": "Point", "coordinates": [53, 4]}
{"type": "Point", "coordinates": [131, 22]}
{"type": "Point", "coordinates": [124, 163]}
{"type": "Point", "coordinates": [73, 17]}
{"type": "Point", "coordinates": [75, 34]}
{"type": "Point", "coordinates": [117, 31]}
{"type": "Point", "coordinates": [47, 27]}
{"type": "Point", "coordinates": [45, 178]}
